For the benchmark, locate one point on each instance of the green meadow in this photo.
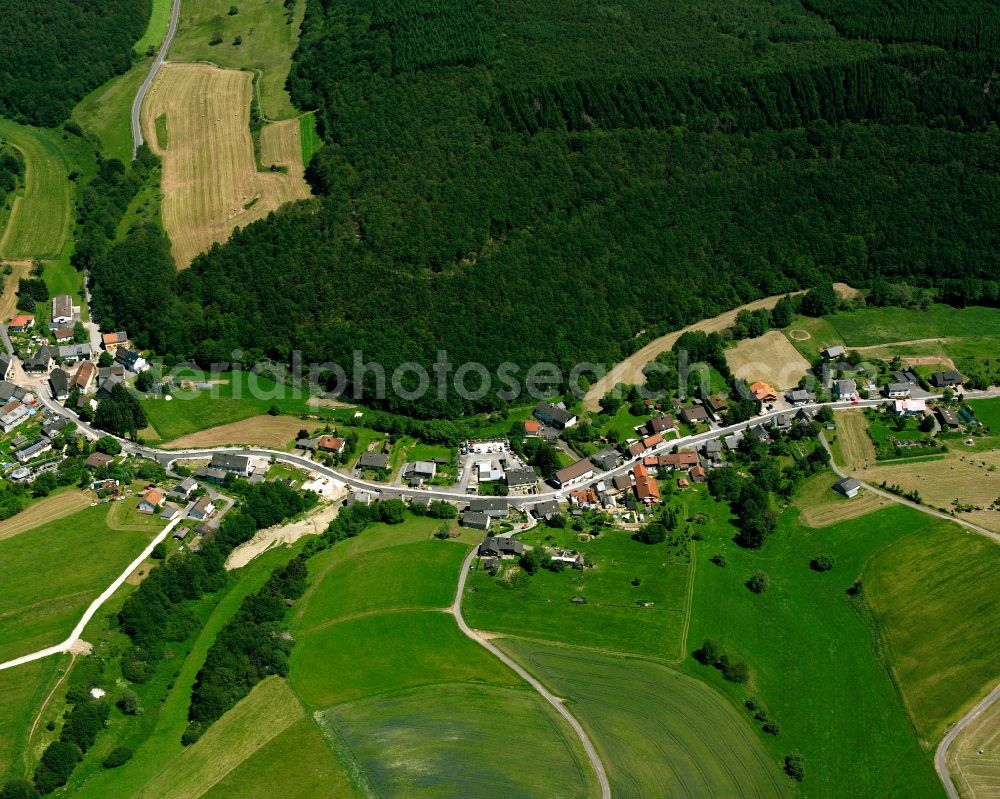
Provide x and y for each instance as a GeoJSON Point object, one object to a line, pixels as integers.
{"type": "Point", "coordinates": [106, 113]}
{"type": "Point", "coordinates": [22, 692]}
{"type": "Point", "coordinates": [159, 21]}
{"type": "Point", "coordinates": [869, 326]}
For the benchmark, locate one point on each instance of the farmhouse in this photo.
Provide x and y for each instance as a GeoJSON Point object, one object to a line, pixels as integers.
{"type": "Point", "coordinates": [240, 464]}
{"type": "Point", "coordinates": [574, 474]}
{"type": "Point", "coordinates": [763, 392]}
{"type": "Point", "coordinates": [554, 415]}
{"type": "Point", "coordinates": [660, 424]}
{"type": "Point", "coordinates": [84, 377]}
{"type": "Point", "coordinates": [521, 480]}
{"type": "Point", "coordinates": [607, 459]}
{"type": "Point", "coordinates": [373, 460]}
{"type": "Point", "coordinates": [849, 487]}
{"type": "Point", "coordinates": [897, 390]}
{"type": "Point", "coordinates": [63, 310]}
{"type": "Point", "coordinates": [948, 379]}
{"type": "Point", "coordinates": [831, 353]}
{"type": "Point", "coordinates": [622, 482]}
{"type": "Point", "coordinates": [331, 444]}
{"type": "Point", "coordinates": [112, 341]}
{"type": "Point", "coordinates": [494, 507]}
{"type": "Point", "coordinates": [21, 323]}
{"type": "Point", "coordinates": [59, 383]}
{"type": "Point", "coordinates": [800, 396]}
{"type": "Point", "coordinates": [694, 415]}
{"type": "Point", "coordinates": [97, 460]}
{"type": "Point", "coordinates": [845, 389]}
{"type": "Point", "coordinates": [477, 521]}
{"type": "Point", "coordinates": [150, 501]}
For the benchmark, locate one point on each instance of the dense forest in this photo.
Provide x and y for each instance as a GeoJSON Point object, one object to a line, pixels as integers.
{"type": "Point", "coordinates": [11, 175]}
{"type": "Point", "coordinates": [557, 183]}
{"type": "Point", "coordinates": [52, 53]}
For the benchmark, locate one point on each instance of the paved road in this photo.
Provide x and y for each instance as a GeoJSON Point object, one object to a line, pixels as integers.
{"type": "Point", "coordinates": [941, 755]}
{"type": "Point", "coordinates": [141, 94]}
{"type": "Point", "coordinates": [549, 697]}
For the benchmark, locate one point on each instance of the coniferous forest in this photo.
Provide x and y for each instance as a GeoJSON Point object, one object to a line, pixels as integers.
{"type": "Point", "coordinates": [522, 181]}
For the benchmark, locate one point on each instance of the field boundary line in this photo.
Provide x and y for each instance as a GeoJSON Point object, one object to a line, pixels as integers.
{"type": "Point", "coordinates": [45, 704]}
{"type": "Point", "coordinates": [688, 604]}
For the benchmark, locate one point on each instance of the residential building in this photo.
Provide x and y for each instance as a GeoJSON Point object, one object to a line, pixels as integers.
{"type": "Point", "coordinates": [373, 460]}
{"type": "Point", "coordinates": [239, 464]}
{"type": "Point", "coordinates": [21, 323]}
{"type": "Point", "coordinates": [905, 376]}
{"type": "Point", "coordinates": [211, 475]}
{"type": "Point", "coordinates": [498, 547]}
{"type": "Point", "coordinates": [849, 487]}
{"type": "Point", "coordinates": [897, 390]}
{"type": "Point", "coordinates": [584, 497]}
{"type": "Point", "coordinates": [554, 415]}
{"type": "Point", "coordinates": [41, 361]}
{"type": "Point", "coordinates": [532, 427]}
{"type": "Point", "coordinates": [574, 474]}
{"type": "Point", "coordinates": [84, 377]}
{"type": "Point", "coordinates": [547, 509]}
{"type": "Point", "coordinates": [650, 442]}
{"type": "Point", "coordinates": [832, 353]}
{"type": "Point", "coordinates": [697, 474]}
{"type": "Point", "coordinates": [845, 389]}
{"type": "Point", "coordinates": [909, 407]}
{"type": "Point", "coordinates": [494, 507]}
{"type": "Point", "coordinates": [694, 415]}
{"type": "Point", "coordinates": [607, 459]}
{"type": "Point", "coordinates": [71, 353]}
{"type": "Point", "coordinates": [202, 508]}
{"type": "Point", "coordinates": [184, 488]}
{"type": "Point", "coordinates": [660, 424]}
{"type": "Point", "coordinates": [948, 379]}
{"type": "Point", "coordinates": [63, 310]}
{"type": "Point", "coordinates": [41, 446]}
{"type": "Point", "coordinates": [763, 392]}
{"type": "Point", "coordinates": [622, 482]}
{"type": "Point", "coordinates": [59, 383]}
{"type": "Point", "coordinates": [307, 444]}
{"type": "Point", "coordinates": [947, 417]}
{"type": "Point", "coordinates": [131, 360]}
{"type": "Point", "coordinates": [421, 470]}
{"type": "Point", "coordinates": [54, 427]}
{"type": "Point", "coordinates": [717, 403]}
{"type": "Point", "coordinates": [678, 460]}
{"type": "Point", "coordinates": [108, 385]}
{"type": "Point", "coordinates": [112, 341]}
{"type": "Point", "coordinates": [332, 444]}
{"type": "Point", "coordinates": [799, 396]}
{"type": "Point", "coordinates": [477, 521]}
{"type": "Point", "coordinates": [97, 460]}
{"type": "Point", "coordinates": [646, 489]}
{"type": "Point", "coordinates": [6, 367]}
{"type": "Point", "coordinates": [636, 449]}
{"type": "Point", "coordinates": [713, 452]}
{"type": "Point", "coordinates": [13, 414]}
{"type": "Point", "coordinates": [151, 501]}
{"type": "Point", "coordinates": [63, 335]}
{"type": "Point", "coordinates": [522, 480]}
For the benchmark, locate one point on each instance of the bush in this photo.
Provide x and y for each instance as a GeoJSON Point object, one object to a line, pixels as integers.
{"type": "Point", "coordinates": [108, 445]}
{"type": "Point", "coordinates": [720, 560]}
{"type": "Point", "coordinates": [192, 733]}
{"type": "Point", "coordinates": [708, 653]}
{"type": "Point", "coordinates": [58, 762]}
{"type": "Point", "coordinates": [18, 789]}
{"type": "Point", "coordinates": [159, 552]}
{"type": "Point", "coordinates": [822, 563]}
{"type": "Point", "coordinates": [758, 582]}
{"type": "Point", "coordinates": [118, 756]}
{"type": "Point", "coordinates": [771, 727]}
{"type": "Point", "coordinates": [652, 533]}
{"type": "Point", "coordinates": [734, 670]}
{"type": "Point", "coordinates": [128, 703]}
{"type": "Point", "coordinates": [795, 767]}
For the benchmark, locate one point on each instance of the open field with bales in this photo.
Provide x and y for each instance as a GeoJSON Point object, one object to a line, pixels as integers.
{"type": "Point", "coordinates": [770, 358]}
{"type": "Point", "coordinates": [276, 432]}
{"type": "Point", "coordinates": [210, 180]}
{"type": "Point", "coordinates": [41, 216]}
{"type": "Point", "coordinates": [852, 447]}
{"type": "Point", "coordinates": [42, 598]}
{"type": "Point", "coordinates": [820, 506]}
{"type": "Point", "coordinates": [281, 146]}
{"type": "Point", "coordinates": [44, 511]}
{"type": "Point", "coordinates": [974, 757]}
{"type": "Point", "coordinates": [693, 742]}
{"type": "Point", "coordinates": [935, 600]}
{"type": "Point", "coordinates": [267, 32]}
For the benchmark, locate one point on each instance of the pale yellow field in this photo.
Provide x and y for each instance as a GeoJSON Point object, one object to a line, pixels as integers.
{"type": "Point", "coordinates": [45, 511]}
{"type": "Point", "coordinates": [264, 431]}
{"type": "Point", "coordinates": [280, 146]}
{"type": "Point", "coordinates": [971, 477]}
{"type": "Point", "coordinates": [770, 358]}
{"type": "Point", "coordinates": [210, 181]}
{"type": "Point", "coordinates": [852, 444]}
{"type": "Point", "coordinates": [821, 506]}
{"type": "Point", "coordinates": [977, 776]}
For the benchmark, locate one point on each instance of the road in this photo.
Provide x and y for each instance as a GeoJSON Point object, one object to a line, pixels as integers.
{"type": "Point", "coordinates": [140, 95]}
{"type": "Point", "coordinates": [941, 755]}
{"type": "Point", "coordinates": [549, 697]}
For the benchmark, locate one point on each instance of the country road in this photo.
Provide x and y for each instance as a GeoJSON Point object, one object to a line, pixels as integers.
{"type": "Point", "coordinates": [140, 95]}
{"type": "Point", "coordinates": [549, 697]}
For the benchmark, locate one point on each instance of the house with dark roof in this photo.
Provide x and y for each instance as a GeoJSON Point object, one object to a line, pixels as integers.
{"type": "Point", "coordinates": [799, 396]}
{"type": "Point", "coordinates": [71, 353]}
{"type": "Point", "coordinates": [848, 486]}
{"type": "Point", "coordinates": [6, 367]}
{"type": "Point", "coordinates": [63, 309]}
{"type": "Point", "coordinates": [521, 480]}
{"type": "Point", "coordinates": [660, 424]}
{"type": "Point", "coordinates": [230, 462]}
{"type": "Point", "coordinates": [131, 360]}
{"type": "Point", "coordinates": [546, 509]}
{"type": "Point", "coordinates": [184, 488]}
{"type": "Point", "coordinates": [477, 521]}
{"type": "Point", "coordinates": [494, 507]}
{"type": "Point", "coordinates": [41, 361]}
{"type": "Point", "coordinates": [373, 460]}
{"type": "Point", "coordinates": [713, 452]}
{"type": "Point", "coordinates": [574, 474]}
{"type": "Point", "coordinates": [208, 474]}
{"type": "Point", "coordinates": [905, 376]}
{"type": "Point", "coordinates": [96, 460]}
{"type": "Point", "coordinates": [498, 547]}
{"type": "Point", "coordinates": [554, 415]}
{"type": "Point", "coordinates": [832, 353]}
{"type": "Point", "coordinates": [108, 385]}
{"type": "Point", "coordinates": [54, 427]}
{"type": "Point", "coordinates": [606, 459]}
{"type": "Point", "coordinates": [84, 377]}
{"type": "Point", "coordinates": [622, 482]}
{"type": "Point", "coordinates": [898, 390]}
{"type": "Point", "coordinates": [947, 379]}
{"type": "Point", "coordinates": [717, 403]}
{"type": "Point", "coordinates": [59, 383]}
{"type": "Point", "coordinates": [947, 416]}
{"type": "Point", "coordinates": [845, 389]}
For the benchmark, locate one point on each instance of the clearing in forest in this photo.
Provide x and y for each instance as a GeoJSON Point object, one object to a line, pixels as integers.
{"type": "Point", "coordinates": [210, 180]}
{"type": "Point", "coordinates": [770, 358]}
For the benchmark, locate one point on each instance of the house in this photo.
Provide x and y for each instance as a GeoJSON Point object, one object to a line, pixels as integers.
{"type": "Point", "coordinates": [682, 482]}
{"type": "Point", "coordinates": [72, 353]}
{"type": "Point", "coordinates": [84, 377]}
{"type": "Point", "coordinates": [487, 472]}
{"type": "Point", "coordinates": [211, 475]}
{"type": "Point", "coordinates": [21, 323]}
{"type": "Point", "coordinates": [63, 310]}
{"type": "Point", "coordinates": [500, 547]}
{"type": "Point", "coordinates": [421, 470]}
{"type": "Point", "coordinates": [763, 392]}
{"type": "Point", "coordinates": [98, 460]}
{"type": "Point", "coordinates": [6, 367]}
{"type": "Point", "coordinates": [713, 452]}
{"type": "Point", "coordinates": [800, 396]}
{"type": "Point", "coordinates": [168, 514]}
{"type": "Point", "coordinates": [897, 390]}
{"type": "Point", "coordinates": [63, 335]}
{"type": "Point", "coordinates": [548, 509]}
{"type": "Point", "coordinates": [131, 360]}
{"type": "Point", "coordinates": [54, 427]}
{"type": "Point", "coordinates": [115, 370]}
{"type": "Point", "coordinates": [697, 474]}
{"type": "Point", "coordinates": [108, 385]}
{"type": "Point", "coordinates": [733, 442]}
{"type": "Point", "coordinates": [622, 482]}
{"type": "Point", "coordinates": [112, 341]}
{"type": "Point", "coordinates": [782, 422]}
{"type": "Point", "coordinates": [849, 487]}
{"type": "Point", "coordinates": [202, 508]}
{"type": "Point", "coordinates": [34, 450]}
{"type": "Point", "coordinates": [494, 507]}
{"type": "Point", "coordinates": [758, 432]}
{"type": "Point", "coordinates": [845, 389]}
{"type": "Point", "coordinates": [574, 559]}
{"type": "Point", "coordinates": [832, 353]}
{"type": "Point", "coordinates": [554, 415]}
{"type": "Point", "coordinates": [646, 489]}
{"type": "Point", "coordinates": [13, 414]}
{"type": "Point", "coordinates": [905, 376]}
{"type": "Point", "coordinates": [373, 460]}
{"type": "Point", "coordinates": [59, 383]}
{"type": "Point", "coordinates": [651, 441]}
{"type": "Point", "coordinates": [522, 480]}
{"type": "Point", "coordinates": [909, 407]}
{"type": "Point", "coordinates": [678, 460]}
{"type": "Point", "coordinates": [151, 500]}
{"type": "Point", "coordinates": [947, 417]}
{"type": "Point", "coordinates": [184, 488]}
{"type": "Point", "coordinates": [607, 459]}
{"type": "Point", "coordinates": [696, 414]}
{"type": "Point", "coordinates": [717, 403]}
{"type": "Point", "coordinates": [584, 497]}
{"type": "Point", "coordinates": [8, 391]}
{"type": "Point", "coordinates": [307, 444]}
{"type": "Point", "coordinates": [41, 361]}
{"type": "Point", "coordinates": [948, 379]}
{"type": "Point", "coordinates": [331, 444]}
{"type": "Point", "coordinates": [240, 464]}
{"type": "Point", "coordinates": [636, 449]}
{"type": "Point", "coordinates": [477, 521]}
{"type": "Point", "coordinates": [660, 424]}
{"type": "Point", "coordinates": [532, 427]}
{"type": "Point", "coordinates": [574, 474]}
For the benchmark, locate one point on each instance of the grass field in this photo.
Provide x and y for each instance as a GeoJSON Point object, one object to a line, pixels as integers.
{"type": "Point", "coordinates": [210, 180]}
{"type": "Point", "coordinates": [308, 137]}
{"type": "Point", "coordinates": [811, 334]}
{"type": "Point", "coordinates": [821, 506]}
{"type": "Point", "coordinates": [770, 358]}
{"type": "Point", "coordinates": [41, 216]}
{"type": "Point", "coordinates": [22, 692]}
{"type": "Point", "coordinates": [852, 447]}
{"type": "Point", "coordinates": [44, 511]}
{"type": "Point", "coordinates": [936, 598]}
{"type": "Point", "coordinates": [268, 41]}
{"type": "Point", "coordinates": [159, 20]}
{"type": "Point", "coordinates": [42, 599]}
{"type": "Point", "coordinates": [869, 326]}
{"type": "Point", "coordinates": [988, 413]}
{"type": "Point", "coordinates": [813, 656]}
{"type": "Point", "coordinates": [62, 277]}
{"type": "Point", "coordinates": [276, 432]}
{"type": "Point", "coordinates": [974, 757]}
{"type": "Point", "coordinates": [105, 113]}
{"type": "Point", "coordinates": [692, 741]}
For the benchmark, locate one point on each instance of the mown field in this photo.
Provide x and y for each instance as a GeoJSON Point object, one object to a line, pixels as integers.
{"type": "Point", "coordinates": [105, 113]}
{"type": "Point", "coordinates": [852, 447]}
{"type": "Point", "coordinates": [659, 732]}
{"type": "Point", "coordinates": [43, 598]}
{"type": "Point", "coordinates": [159, 19]}
{"type": "Point", "coordinates": [771, 358]}
{"type": "Point", "coordinates": [869, 326]}
{"type": "Point", "coordinates": [974, 757]}
{"type": "Point", "coordinates": [821, 506]}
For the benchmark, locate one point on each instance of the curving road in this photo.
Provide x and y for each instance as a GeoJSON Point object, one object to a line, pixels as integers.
{"type": "Point", "coordinates": [549, 697]}
{"type": "Point", "coordinates": [941, 755]}
{"type": "Point", "coordinates": [140, 95]}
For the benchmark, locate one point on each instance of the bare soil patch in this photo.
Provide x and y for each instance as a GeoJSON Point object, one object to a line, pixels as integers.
{"type": "Point", "coordinates": [45, 511]}
{"type": "Point", "coordinates": [8, 301]}
{"type": "Point", "coordinates": [313, 524]}
{"type": "Point", "coordinates": [770, 358]}
{"type": "Point", "coordinates": [275, 432]}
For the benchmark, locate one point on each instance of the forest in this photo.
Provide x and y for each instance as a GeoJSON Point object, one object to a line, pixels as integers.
{"type": "Point", "coordinates": [53, 53]}
{"type": "Point", "coordinates": [538, 183]}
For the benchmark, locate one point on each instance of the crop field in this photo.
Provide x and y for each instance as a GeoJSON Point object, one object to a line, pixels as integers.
{"type": "Point", "coordinates": [22, 691]}
{"type": "Point", "coordinates": [965, 474]}
{"type": "Point", "coordinates": [821, 506]}
{"type": "Point", "coordinates": [812, 655]}
{"type": "Point", "coordinates": [269, 34]}
{"type": "Point", "coordinates": [105, 113]}
{"type": "Point", "coordinates": [853, 447]}
{"type": "Point", "coordinates": [281, 146]}
{"type": "Point", "coordinates": [441, 741]}
{"type": "Point", "coordinates": [770, 358]}
{"type": "Point", "coordinates": [869, 326]}
{"type": "Point", "coordinates": [45, 511]}
{"type": "Point", "coordinates": [210, 180]}
{"type": "Point", "coordinates": [41, 216]}
{"type": "Point", "coordinates": [276, 432]}
{"type": "Point", "coordinates": [974, 757]}
{"type": "Point", "coordinates": [693, 742]}
{"type": "Point", "coordinates": [935, 596]}
{"type": "Point", "coordinates": [42, 599]}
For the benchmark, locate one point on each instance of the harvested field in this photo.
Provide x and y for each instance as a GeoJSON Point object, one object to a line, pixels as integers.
{"type": "Point", "coordinates": [275, 432]}
{"type": "Point", "coordinates": [974, 758]}
{"type": "Point", "coordinates": [770, 358]}
{"type": "Point", "coordinates": [838, 510]}
{"type": "Point", "coordinates": [45, 511]}
{"type": "Point", "coordinates": [853, 444]}
{"type": "Point", "coordinates": [210, 181]}
{"type": "Point", "coordinates": [281, 145]}
{"type": "Point", "coordinates": [8, 300]}
{"type": "Point", "coordinates": [973, 478]}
